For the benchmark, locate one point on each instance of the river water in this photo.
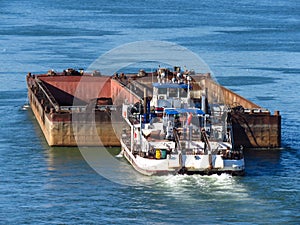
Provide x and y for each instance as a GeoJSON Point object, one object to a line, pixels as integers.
{"type": "Point", "coordinates": [251, 46]}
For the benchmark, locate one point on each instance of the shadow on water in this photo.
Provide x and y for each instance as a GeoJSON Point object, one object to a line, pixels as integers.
{"type": "Point", "coordinates": [65, 159]}
{"type": "Point", "coordinates": [101, 162]}
{"type": "Point", "coordinates": [62, 156]}
{"type": "Point", "coordinates": [262, 162]}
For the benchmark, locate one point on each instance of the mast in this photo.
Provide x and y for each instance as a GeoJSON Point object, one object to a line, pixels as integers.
{"type": "Point", "coordinates": [207, 144]}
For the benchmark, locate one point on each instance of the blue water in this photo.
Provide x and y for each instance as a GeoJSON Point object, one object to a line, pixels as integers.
{"type": "Point", "coordinates": [251, 46]}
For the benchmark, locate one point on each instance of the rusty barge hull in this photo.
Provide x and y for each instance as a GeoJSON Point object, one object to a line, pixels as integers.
{"type": "Point", "coordinates": [74, 109]}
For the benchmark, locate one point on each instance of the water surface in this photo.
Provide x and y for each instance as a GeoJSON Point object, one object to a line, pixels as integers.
{"type": "Point", "coordinates": [251, 46]}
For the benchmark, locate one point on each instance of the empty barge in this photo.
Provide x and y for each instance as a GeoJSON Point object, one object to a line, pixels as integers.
{"type": "Point", "coordinates": [75, 108]}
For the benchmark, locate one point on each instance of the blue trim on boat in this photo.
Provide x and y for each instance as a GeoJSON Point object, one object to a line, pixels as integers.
{"type": "Point", "coordinates": [170, 85]}
{"type": "Point", "coordinates": [183, 110]}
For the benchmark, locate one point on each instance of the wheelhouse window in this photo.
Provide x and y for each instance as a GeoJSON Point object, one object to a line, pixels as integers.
{"type": "Point", "coordinates": [162, 91]}
{"type": "Point", "coordinates": [183, 93]}
{"type": "Point", "coordinates": [173, 92]}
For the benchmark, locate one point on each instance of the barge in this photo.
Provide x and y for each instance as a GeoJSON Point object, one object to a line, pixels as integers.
{"type": "Point", "coordinates": [76, 108]}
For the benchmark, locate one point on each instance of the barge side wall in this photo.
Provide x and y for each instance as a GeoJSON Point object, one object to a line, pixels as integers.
{"type": "Point", "coordinates": [256, 129]}
{"type": "Point", "coordinates": [83, 88]}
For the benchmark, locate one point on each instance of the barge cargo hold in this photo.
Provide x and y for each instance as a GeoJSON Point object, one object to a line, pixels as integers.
{"type": "Point", "coordinates": [73, 102]}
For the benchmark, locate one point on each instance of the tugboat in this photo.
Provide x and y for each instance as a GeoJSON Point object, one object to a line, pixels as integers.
{"type": "Point", "coordinates": [167, 134]}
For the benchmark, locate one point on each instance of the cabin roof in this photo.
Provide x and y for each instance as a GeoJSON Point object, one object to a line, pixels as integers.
{"type": "Point", "coordinates": [173, 111]}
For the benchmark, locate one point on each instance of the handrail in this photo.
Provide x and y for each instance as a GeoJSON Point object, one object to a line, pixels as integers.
{"type": "Point", "coordinates": [48, 94]}
{"type": "Point", "coordinates": [83, 108]}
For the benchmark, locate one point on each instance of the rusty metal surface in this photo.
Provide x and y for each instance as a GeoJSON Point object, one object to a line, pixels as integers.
{"type": "Point", "coordinates": [256, 130]}
{"type": "Point", "coordinates": [83, 88]}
